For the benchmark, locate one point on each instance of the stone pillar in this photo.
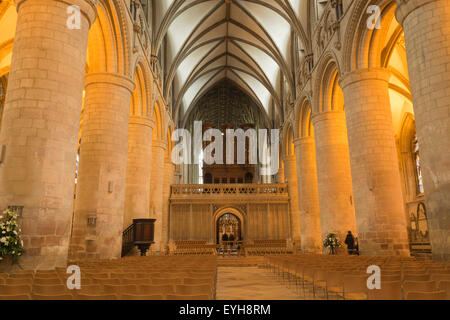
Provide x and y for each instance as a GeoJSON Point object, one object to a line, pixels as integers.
{"type": "Point", "coordinates": [426, 24]}
{"type": "Point", "coordinates": [308, 195]}
{"type": "Point", "coordinates": [379, 207]}
{"type": "Point", "coordinates": [100, 196]}
{"type": "Point", "coordinates": [169, 179]}
{"type": "Point", "coordinates": [291, 177]}
{"type": "Point", "coordinates": [137, 196]}
{"type": "Point", "coordinates": [337, 213]}
{"type": "Point", "coordinates": [156, 189]}
{"type": "Point", "coordinates": [41, 121]}
{"type": "Point", "coordinates": [280, 174]}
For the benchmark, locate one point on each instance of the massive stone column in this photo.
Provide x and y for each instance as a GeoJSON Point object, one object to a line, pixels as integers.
{"type": "Point", "coordinates": [337, 213]}
{"type": "Point", "coordinates": [308, 195]}
{"type": "Point", "coordinates": [100, 196]}
{"type": "Point", "coordinates": [426, 24]}
{"type": "Point", "coordinates": [156, 190]}
{"type": "Point", "coordinates": [40, 125]}
{"type": "Point", "coordinates": [280, 174]}
{"type": "Point", "coordinates": [291, 177]}
{"type": "Point", "coordinates": [137, 196]}
{"type": "Point", "coordinates": [169, 179]}
{"type": "Point", "coordinates": [380, 212]}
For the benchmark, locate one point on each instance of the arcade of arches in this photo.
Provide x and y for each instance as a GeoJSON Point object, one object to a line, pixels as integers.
{"type": "Point", "coordinates": [88, 115]}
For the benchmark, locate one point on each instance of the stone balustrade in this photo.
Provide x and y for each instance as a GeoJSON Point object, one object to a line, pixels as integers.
{"type": "Point", "coordinates": [181, 191]}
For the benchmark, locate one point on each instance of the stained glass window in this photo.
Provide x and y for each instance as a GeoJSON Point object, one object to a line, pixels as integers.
{"type": "Point", "coordinates": [418, 164]}
{"type": "Point", "coordinates": [77, 166]}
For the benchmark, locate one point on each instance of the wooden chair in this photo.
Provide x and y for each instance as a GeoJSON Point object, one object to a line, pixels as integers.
{"type": "Point", "coordinates": [136, 281]}
{"type": "Point", "coordinates": [416, 277]}
{"type": "Point", "coordinates": [156, 289]}
{"type": "Point", "coordinates": [50, 289]}
{"type": "Point", "coordinates": [15, 289]}
{"type": "Point", "coordinates": [187, 297]}
{"type": "Point", "coordinates": [194, 290]}
{"type": "Point", "coordinates": [320, 283]}
{"type": "Point", "coordinates": [52, 297]}
{"type": "Point", "coordinates": [120, 289]}
{"type": "Point", "coordinates": [95, 297]}
{"type": "Point", "coordinates": [46, 275]}
{"type": "Point", "coordinates": [421, 286]}
{"type": "Point", "coordinates": [417, 295]}
{"type": "Point", "coordinates": [15, 297]}
{"type": "Point", "coordinates": [21, 276]}
{"type": "Point", "coordinates": [114, 282]}
{"type": "Point", "coordinates": [88, 289]}
{"type": "Point", "coordinates": [390, 278]}
{"type": "Point", "coordinates": [47, 281]}
{"type": "Point", "coordinates": [355, 287]}
{"type": "Point", "coordinates": [444, 285]}
{"type": "Point", "coordinates": [142, 297]}
{"type": "Point", "coordinates": [163, 281]}
{"type": "Point", "coordinates": [335, 284]}
{"type": "Point", "coordinates": [440, 277]}
{"type": "Point", "coordinates": [390, 290]}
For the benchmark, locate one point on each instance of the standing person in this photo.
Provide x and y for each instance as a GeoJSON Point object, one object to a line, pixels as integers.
{"type": "Point", "coordinates": [350, 242]}
{"type": "Point", "coordinates": [224, 237]}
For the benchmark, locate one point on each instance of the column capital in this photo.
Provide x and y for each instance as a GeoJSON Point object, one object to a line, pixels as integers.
{"type": "Point", "coordinates": [327, 115]}
{"type": "Point", "coordinates": [381, 74]}
{"type": "Point", "coordinates": [87, 7]}
{"type": "Point", "coordinates": [405, 7]}
{"type": "Point", "coordinates": [303, 140]}
{"type": "Point", "coordinates": [159, 144]}
{"type": "Point", "coordinates": [143, 121]}
{"type": "Point", "coordinates": [110, 78]}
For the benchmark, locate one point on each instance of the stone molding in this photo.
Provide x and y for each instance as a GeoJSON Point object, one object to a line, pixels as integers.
{"type": "Point", "coordinates": [380, 74]}
{"type": "Point", "coordinates": [111, 79]}
{"type": "Point", "coordinates": [87, 7]}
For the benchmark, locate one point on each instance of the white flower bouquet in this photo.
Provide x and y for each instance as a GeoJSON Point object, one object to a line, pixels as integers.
{"type": "Point", "coordinates": [332, 242]}
{"type": "Point", "coordinates": [10, 242]}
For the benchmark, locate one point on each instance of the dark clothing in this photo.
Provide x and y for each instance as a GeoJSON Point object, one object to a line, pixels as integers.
{"type": "Point", "coordinates": [350, 242]}
{"type": "Point", "coordinates": [225, 237]}
{"type": "Point", "coordinates": [231, 237]}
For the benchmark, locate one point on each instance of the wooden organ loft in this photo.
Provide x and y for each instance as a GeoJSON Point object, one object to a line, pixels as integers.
{"type": "Point", "coordinates": [229, 173]}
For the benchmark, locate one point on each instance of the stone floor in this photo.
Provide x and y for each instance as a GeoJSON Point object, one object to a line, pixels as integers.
{"type": "Point", "coordinates": [250, 283]}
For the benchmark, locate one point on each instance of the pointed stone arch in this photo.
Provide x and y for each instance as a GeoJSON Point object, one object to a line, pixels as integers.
{"type": "Point", "coordinates": [108, 41]}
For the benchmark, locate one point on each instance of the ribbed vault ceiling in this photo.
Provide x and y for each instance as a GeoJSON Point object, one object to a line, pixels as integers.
{"type": "Point", "coordinates": [250, 42]}
{"type": "Point", "coordinates": [225, 104]}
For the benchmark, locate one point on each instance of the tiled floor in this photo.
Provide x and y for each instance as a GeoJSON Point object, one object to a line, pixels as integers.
{"type": "Point", "coordinates": [250, 283]}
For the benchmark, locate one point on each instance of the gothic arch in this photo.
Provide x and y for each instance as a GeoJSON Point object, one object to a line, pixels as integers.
{"type": "Point", "coordinates": [108, 41]}
{"type": "Point", "coordinates": [140, 99]}
{"type": "Point", "coordinates": [363, 47]}
{"type": "Point", "coordinates": [328, 95]}
{"type": "Point", "coordinates": [233, 210]}
{"type": "Point", "coordinates": [288, 141]}
{"type": "Point", "coordinates": [158, 117]}
{"type": "Point", "coordinates": [303, 123]}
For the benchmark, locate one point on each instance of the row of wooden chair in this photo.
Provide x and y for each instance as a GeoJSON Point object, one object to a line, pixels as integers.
{"type": "Point", "coordinates": [60, 290]}
{"type": "Point", "coordinates": [137, 278]}
{"type": "Point", "coordinates": [345, 277]}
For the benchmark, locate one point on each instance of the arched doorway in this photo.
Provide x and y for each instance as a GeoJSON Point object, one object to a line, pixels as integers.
{"type": "Point", "coordinates": [229, 216]}
{"type": "Point", "coordinates": [231, 225]}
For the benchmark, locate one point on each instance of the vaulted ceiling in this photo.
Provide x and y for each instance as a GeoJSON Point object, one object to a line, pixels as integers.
{"type": "Point", "coordinates": [254, 43]}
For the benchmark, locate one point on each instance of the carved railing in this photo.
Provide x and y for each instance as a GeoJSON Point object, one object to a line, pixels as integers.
{"type": "Point", "coordinates": [224, 190]}
{"type": "Point", "coordinates": [140, 233]}
{"type": "Point", "coordinates": [128, 239]}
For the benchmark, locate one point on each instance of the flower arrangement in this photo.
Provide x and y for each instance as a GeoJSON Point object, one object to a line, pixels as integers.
{"type": "Point", "coordinates": [10, 242]}
{"type": "Point", "coordinates": [332, 242]}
